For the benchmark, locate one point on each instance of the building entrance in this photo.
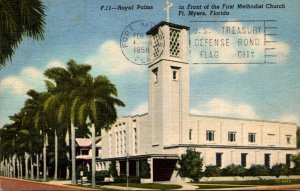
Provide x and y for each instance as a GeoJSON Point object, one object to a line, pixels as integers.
{"type": "Point", "coordinates": [163, 169]}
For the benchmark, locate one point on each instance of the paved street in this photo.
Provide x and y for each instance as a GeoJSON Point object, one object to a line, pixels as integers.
{"type": "Point", "coordinates": [17, 184]}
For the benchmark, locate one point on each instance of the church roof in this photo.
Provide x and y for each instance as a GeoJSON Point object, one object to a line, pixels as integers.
{"type": "Point", "coordinates": [153, 29]}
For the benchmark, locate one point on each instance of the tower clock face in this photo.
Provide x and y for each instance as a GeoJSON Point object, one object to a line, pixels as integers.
{"type": "Point", "coordinates": [135, 43]}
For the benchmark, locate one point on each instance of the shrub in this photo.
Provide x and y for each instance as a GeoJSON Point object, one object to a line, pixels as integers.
{"type": "Point", "coordinates": [296, 160]}
{"type": "Point", "coordinates": [123, 179]}
{"type": "Point", "coordinates": [258, 170]}
{"type": "Point", "coordinates": [295, 170]}
{"type": "Point", "coordinates": [144, 169]}
{"type": "Point", "coordinates": [234, 170]}
{"type": "Point", "coordinates": [191, 165]}
{"type": "Point", "coordinates": [113, 169]}
{"type": "Point", "coordinates": [280, 169]}
{"type": "Point", "coordinates": [212, 171]}
{"type": "Point", "coordinates": [99, 175]}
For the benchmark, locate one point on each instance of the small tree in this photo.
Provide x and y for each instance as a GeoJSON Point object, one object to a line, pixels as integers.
{"type": "Point", "coordinates": [191, 165]}
{"type": "Point", "coordinates": [144, 169]}
{"type": "Point", "coordinates": [113, 169]}
{"type": "Point", "coordinates": [296, 161]}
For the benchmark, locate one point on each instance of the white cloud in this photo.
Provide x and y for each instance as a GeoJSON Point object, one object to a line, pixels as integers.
{"type": "Point", "coordinates": [14, 83]}
{"type": "Point", "coordinates": [28, 78]}
{"type": "Point", "coordinates": [109, 58]}
{"type": "Point", "coordinates": [290, 118]}
{"type": "Point", "coordinates": [226, 108]}
{"type": "Point", "coordinates": [229, 54]}
{"type": "Point", "coordinates": [32, 75]}
{"type": "Point", "coordinates": [140, 109]}
{"type": "Point", "coordinates": [33, 78]}
{"type": "Point", "coordinates": [13, 88]}
{"type": "Point", "coordinates": [32, 72]}
{"type": "Point", "coordinates": [55, 63]}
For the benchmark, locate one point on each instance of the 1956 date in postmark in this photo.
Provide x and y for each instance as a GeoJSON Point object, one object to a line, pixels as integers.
{"type": "Point", "coordinates": [134, 42]}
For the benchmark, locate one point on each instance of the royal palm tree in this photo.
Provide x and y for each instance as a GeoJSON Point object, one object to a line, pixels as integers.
{"type": "Point", "coordinates": [96, 98]}
{"type": "Point", "coordinates": [52, 116]}
{"type": "Point", "coordinates": [12, 136]}
{"type": "Point", "coordinates": [13, 139]}
{"type": "Point", "coordinates": [19, 19]}
{"type": "Point", "coordinates": [8, 137]}
{"type": "Point", "coordinates": [61, 98]}
{"type": "Point", "coordinates": [56, 104]}
{"type": "Point", "coordinates": [34, 107]}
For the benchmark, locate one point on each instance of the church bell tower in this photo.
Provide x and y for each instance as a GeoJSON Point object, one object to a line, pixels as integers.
{"type": "Point", "coordinates": [168, 74]}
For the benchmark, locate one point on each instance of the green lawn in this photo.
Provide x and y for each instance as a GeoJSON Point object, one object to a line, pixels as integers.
{"type": "Point", "coordinates": [95, 188]}
{"type": "Point", "coordinates": [136, 185]}
{"type": "Point", "coordinates": [150, 186]}
{"type": "Point", "coordinates": [257, 182]}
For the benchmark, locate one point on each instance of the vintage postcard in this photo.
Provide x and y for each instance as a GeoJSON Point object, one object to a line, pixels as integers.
{"type": "Point", "coordinates": [164, 94]}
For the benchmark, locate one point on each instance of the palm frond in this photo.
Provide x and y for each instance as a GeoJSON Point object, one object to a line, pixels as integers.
{"type": "Point", "coordinates": [49, 85]}
{"type": "Point", "coordinates": [19, 19]}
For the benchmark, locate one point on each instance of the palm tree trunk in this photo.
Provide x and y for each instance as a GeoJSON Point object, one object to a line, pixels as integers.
{"type": "Point", "coordinates": [73, 154]}
{"type": "Point", "coordinates": [1, 168]}
{"type": "Point", "coordinates": [7, 167]}
{"type": "Point", "coordinates": [18, 167]}
{"type": "Point", "coordinates": [68, 166]}
{"type": "Point", "coordinates": [4, 167]}
{"type": "Point", "coordinates": [44, 160]}
{"type": "Point", "coordinates": [14, 166]}
{"type": "Point", "coordinates": [26, 165]}
{"type": "Point", "coordinates": [37, 166]}
{"type": "Point", "coordinates": [11, 170]}
{"type": "Point", "coordinates": [10, 167]}
{"type": "Point", "coordinates": [55, 153]}
{"type": "Point", "coordinates": [21, 167]}
{"type": "Point", "coordinates": [93, 155]}
{"type": "Point", "coordinates": [31, 168]}
{"type": "Point", "coordinates": [68, 155]}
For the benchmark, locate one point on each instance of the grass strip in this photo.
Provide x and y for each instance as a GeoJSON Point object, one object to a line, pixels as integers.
{"type": "Point", "coordinates": [257, 182]}
{"type": "Point", "coordinates": [150, 186]}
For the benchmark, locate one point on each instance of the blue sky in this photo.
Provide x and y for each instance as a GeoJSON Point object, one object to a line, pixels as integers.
{"type": "Point", "coordinates": [79, 30]}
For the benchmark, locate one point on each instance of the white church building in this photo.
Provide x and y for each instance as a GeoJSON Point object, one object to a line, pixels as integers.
{"type": "Point", "coordinates": [168, 129]}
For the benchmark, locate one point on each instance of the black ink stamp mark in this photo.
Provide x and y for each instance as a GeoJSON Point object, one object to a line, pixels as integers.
{"type": "Point", "coordinates": [244, 55]}
{"type": "Point", "coordinates": [135, 44]}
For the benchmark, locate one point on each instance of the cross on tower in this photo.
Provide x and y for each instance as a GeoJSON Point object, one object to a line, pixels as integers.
{"type": "Point", "coordinates": [167, 8]}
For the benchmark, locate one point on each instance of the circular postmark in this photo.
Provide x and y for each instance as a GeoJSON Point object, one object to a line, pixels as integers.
{"type": "Point", "coordinates": [135, 44]}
